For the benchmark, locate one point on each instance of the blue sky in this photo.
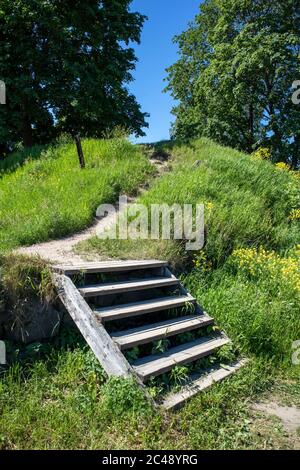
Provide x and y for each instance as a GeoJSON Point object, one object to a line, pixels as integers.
{"type": "Point", "coordinates": [166, 18]}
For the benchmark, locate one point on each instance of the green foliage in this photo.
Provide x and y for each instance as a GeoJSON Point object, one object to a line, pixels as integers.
{"type": "Point", "coordinates": [59, 403]}
{"type": "Point", "coordinates": [54, 197]}
{"type": "Point", "coordinates": [258, 309]}
{"type": "Point", "coordinates": [160, 346]}
{"type": "Point", "coordinates": [124, 395]}
{"type": "Point", "coordinates": [226, 354]}
{"type": "Point", "coordinates": [247, 202]}
{"type": "Point", "coordinates": [22, 281]}
{"type": "Point", "coordinates": [56, 396]}
{"type": "Point", "coordinates": [233, 80]}
{"type": "Point", "coordinates": [66, 66]}
{"type": "Point", "coordinates": [17, 159]}
{"type": "Point", "coordinates": [132, 354]}
{"type": "Point", "coordinates": [179, 374]}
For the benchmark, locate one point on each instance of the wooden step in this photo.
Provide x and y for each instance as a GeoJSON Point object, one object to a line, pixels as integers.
{"type": "Point", "coordinates": [148, 333]}
{"type": "Point", "coordinates": [139, 308]}
{"type": "Point", "coordinates": [159, 364]}
{"type": "Point", "coordinates": [202, 382]}
{"type": "Point", "coordinates": [127, 286]}
{"type": "Point", "coordinates": [108, 266]}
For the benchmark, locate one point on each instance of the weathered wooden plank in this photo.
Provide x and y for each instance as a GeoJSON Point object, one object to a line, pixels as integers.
{"type": "Point", "coordinates": [127, 286]}
{"type": "Point", "coordinates": [200, 383]}
{"type": "Point", "coordinates": [142, 307]}
{"type": "Point", "coordinates": [159, 364]}
{"type": "Point", "coordinates": [106, 351]}
{"type": "Point", "coordinates": [170, 327]}
{"type": "Point", "coordinates": [108, 266]}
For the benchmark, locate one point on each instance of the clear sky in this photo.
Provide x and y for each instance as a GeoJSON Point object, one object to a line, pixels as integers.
{"type": "Point", "coordinates": [166, 18]}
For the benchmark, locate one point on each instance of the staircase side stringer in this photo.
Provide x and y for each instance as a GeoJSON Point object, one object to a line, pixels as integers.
{"type": "Point", "coordinates": [104, 348]}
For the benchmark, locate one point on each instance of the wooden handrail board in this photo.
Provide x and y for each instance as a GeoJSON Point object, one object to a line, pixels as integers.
{"type": "Point", "coordinates": [106, 351]}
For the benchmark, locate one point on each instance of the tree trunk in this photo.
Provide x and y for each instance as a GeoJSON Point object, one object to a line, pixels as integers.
{"type": "Point", "coordinates": [80, 152]}
{"type": "Point", "coordinates": [27, 132]}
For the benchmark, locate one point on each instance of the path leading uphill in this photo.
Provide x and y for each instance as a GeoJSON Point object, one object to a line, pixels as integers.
{"type": "Point", "coordinates": [62, 250]}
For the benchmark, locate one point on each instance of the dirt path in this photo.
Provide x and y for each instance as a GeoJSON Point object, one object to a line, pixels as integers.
{"type": "Point", "coordinates": [275, 417]}
{"type": "Point", "coordinates": [62, 250]}
{"type": "Point", "coordinates": [289, 415]}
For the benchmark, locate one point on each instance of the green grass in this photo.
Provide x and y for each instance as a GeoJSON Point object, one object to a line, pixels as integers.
{"type": "Point", "coordinates": [45, 195]}
{"type": "Point", "coordinates": [259, 313]}
{"type": "Point", "coordinates": [250, 203]}
{"type": "Point", "coordinates": [56, 396]}
{"type": "Point", "coordinates": [59, 398]}
{"type": "Point", "coordinates": [17, 159]}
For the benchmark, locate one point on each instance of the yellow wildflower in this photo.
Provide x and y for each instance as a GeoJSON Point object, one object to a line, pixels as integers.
{"type": "Point", "coordinates": [295, 214]}
{"type": "Point", "coordinates": [268, 265]}
{"type": "Point", "coordinates": [283, 166]}
{"type": "Point", "coordinates": [262, 153]}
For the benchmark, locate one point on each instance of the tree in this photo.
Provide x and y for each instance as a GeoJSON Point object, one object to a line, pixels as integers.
{"type": "Point", "coordinates": [233, 80]}
{"type": "Point", "coordinates": [66, 65]}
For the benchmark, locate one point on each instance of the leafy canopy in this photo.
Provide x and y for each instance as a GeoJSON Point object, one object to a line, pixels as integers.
{"type": "Point", "coordinates": [233, 80]}
{"type": "Point", "coordinates": [66, 64]}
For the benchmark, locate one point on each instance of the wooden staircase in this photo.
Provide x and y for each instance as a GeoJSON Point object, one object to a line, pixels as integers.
{"type": "Point", "coordinates": [121, 305]}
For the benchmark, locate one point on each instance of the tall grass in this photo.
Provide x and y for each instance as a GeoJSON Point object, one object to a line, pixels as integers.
{"type": "Point", "coordinates": [248, 202]}
{"type": "Point", "coordinates": [49, 196]}
{"type": "Point", "coordinates": [60, 399]}
{"type": "Point", "coordinates": [17, 159]}
{"type": "Point", "coordinates": [258, 306]}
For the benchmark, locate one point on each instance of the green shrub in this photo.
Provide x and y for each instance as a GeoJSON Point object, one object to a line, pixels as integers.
{"type": "Point", "coordinates": [124, 395]}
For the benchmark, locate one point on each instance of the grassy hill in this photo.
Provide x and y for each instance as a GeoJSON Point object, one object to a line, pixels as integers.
{"type": "Point", "coordinates": [248, 202]}
{"type": "Point", "coordinates": [247, 277]}
{"type": "Point", "coordinates": [44, 194]}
